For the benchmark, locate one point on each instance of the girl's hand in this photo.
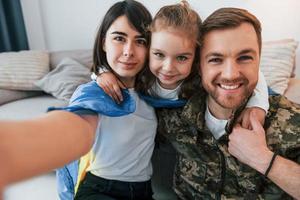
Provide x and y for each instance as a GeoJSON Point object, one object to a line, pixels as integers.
{"type": "Point", "coordinates": [111, 85]}
{"type": "Point", "coordinates": [244, 119]}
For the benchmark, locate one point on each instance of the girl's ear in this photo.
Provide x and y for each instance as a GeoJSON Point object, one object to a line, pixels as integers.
{"type": "Point", "coordinates": [103, 47]}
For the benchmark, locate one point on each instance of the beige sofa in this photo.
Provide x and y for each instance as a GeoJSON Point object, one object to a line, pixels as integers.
{"type": "Point", "coordinates": [27, 104]}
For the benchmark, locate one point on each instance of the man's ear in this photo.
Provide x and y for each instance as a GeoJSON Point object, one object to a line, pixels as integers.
{"type": "Point", "coordinates": [103, 46]}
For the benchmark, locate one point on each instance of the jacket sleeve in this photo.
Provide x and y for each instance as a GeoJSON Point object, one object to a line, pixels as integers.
{"type": "Point", "coordinates": [283, 137]}
{"type": "Point", "coordinates": [90, 97]}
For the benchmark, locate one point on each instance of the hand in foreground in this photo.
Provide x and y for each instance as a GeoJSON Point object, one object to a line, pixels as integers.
{"type": "Point", "coordinates": [244, 118]}
{"type": "Point", "coordinates": [111, 85]}
{"type": "Point", "coordinates": [249, 146]}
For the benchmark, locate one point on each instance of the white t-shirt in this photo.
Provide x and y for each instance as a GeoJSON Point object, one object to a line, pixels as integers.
{"type": "Point", "coordinates": [124, 145]}
{"type": "Point", "coordinates": [158, 91]}
{"type": "Point", "coordinates": [216, 126]}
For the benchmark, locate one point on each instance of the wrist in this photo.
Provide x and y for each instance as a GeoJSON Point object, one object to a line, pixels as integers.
{"type": "Point", "coordinates": [270, 164]}
{"type": "Point", "coordinates": [262, 162]}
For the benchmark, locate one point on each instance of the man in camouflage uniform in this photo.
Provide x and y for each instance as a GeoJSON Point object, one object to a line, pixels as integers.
{"type": "Point", "coordinates": [233, 164]}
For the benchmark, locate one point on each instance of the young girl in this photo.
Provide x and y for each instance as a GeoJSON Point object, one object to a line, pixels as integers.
{"type": "Point", "coordinates": [121, 146]}
{"type": "Point", "coordinates": [174, 62]}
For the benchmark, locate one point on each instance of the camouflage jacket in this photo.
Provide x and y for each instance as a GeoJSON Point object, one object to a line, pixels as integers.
{"type": "Point", "coordinates": [206, 170]}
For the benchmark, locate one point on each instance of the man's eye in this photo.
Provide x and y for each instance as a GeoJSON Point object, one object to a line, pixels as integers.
{"type": "Point", "coordinates": [245, 58]}
{"type": "Point", "coordinates": [120, 39]}
{"type": "Point", "coordinates": [142, 42]}
{"type": "Point", "coordinates": [182, 58]}
{"type": "Point", "coordinates": [215, 60]}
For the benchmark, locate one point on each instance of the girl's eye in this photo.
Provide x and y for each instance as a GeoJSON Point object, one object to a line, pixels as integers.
{"type": "Point", "coordinates": [120, 39]}
{"type": "Point", "coordinates": [215, 60]}
{"type": "Point", "coordinates": [245, 58]}
{"type": "Point", "coordinates": [142, 42]}
{"type": "Point", "coordinates": [182, 58]}
{"type": "Point", "coordinates": [158, 55]}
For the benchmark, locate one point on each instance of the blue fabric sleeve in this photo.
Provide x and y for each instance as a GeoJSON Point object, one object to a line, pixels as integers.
{"type": "Point", "coordinates": [163, 103]}
{"type": "Point", "coordinates": [91, 97]}
{"type": "Point", "coordinates": [272, 92]}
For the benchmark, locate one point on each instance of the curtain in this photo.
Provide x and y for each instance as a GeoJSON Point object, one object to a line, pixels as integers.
{"type": "Point", "coordinates": [12, 29]}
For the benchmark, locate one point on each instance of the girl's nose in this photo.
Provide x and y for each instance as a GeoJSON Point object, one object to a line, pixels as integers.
{"type": "Point", "coordinates": [167, 65]}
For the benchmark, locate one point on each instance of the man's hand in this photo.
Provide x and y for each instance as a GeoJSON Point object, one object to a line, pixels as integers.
{"type": "Point", "coordinates": [244, 118]}
{"type": "Point", "coordinates": [111, 86]}
{"type": "Point", "coordinates": [249, 146]}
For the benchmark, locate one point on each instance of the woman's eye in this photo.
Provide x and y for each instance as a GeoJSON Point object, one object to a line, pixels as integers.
{"type": "Point", "coordinates": [215, 60]}
{"type": "Point", "coordinates": [142, 42]}
{"type": "Point", "coordinates": [119, 38]}
{"type": "Point", "coordinates": [182, 58]}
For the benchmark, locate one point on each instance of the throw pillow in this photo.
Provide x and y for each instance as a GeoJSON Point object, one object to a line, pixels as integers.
{"type": "Point", "coordinates": [12, 95]}
{"type": "Point", "coordinates": [64, 79]}
{"type": "Point", "coordinates": [293, 92]}
{"type": "Point", "coordinates": [277, 62]}
{"type": "Point", "coordinates": [19, 70]}
{"type": "Point", "coordinates": [84, 57]}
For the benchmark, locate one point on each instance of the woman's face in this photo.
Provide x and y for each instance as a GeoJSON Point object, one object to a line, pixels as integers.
{"type": "Point", "coordinates": [172, 53]}
{"type": "Point", "coordinates": [125, 49]}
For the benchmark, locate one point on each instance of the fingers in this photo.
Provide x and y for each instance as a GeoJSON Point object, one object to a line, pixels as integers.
{"type": "Point", "coordinates": [111, 86]}
{"type": "Point", "coordinates": [256, 125]}
{"type": "Point", "coordinates": [121, 85]}
{"type": "Point", "coordinates": [244, 119]}
{"type": "Point", "coordinates": [117, 93]}
{"type": "Point", "coordinates": [109, 90]}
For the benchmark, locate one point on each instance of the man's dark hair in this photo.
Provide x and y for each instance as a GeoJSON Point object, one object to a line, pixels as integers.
{"type": "Point", "coordinates": [225, 18]}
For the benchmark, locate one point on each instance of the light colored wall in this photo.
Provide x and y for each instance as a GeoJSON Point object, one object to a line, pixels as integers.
{"type": "Point", "coordinates": [71, 24]}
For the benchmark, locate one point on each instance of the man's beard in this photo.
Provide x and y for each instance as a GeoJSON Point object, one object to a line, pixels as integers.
{"type": "Point", "coordinates": [230, 101]}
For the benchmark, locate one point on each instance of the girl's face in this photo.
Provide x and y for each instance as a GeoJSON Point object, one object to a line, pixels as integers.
{"type": "Point", "coordinates": [171, 57]}
{"type": "Point", "coordinates": [125, 49]}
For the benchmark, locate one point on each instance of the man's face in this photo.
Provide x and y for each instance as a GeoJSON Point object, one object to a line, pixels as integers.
{"type": "Point", "coordinates": [229, 65]}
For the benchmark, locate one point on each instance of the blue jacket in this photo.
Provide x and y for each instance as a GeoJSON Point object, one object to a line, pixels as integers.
{"type": "Point", "coordinates": [90, 97]}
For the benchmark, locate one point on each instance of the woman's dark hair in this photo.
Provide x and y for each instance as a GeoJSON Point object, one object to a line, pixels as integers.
{"type": "Point", "coordinates": [138, 16]}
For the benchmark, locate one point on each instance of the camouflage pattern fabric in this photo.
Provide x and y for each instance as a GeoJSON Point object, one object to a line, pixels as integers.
{"type": "Point", "coordinates": [206, 170]}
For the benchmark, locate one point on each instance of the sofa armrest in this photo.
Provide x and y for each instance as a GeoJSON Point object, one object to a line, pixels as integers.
{"type": "Point", "coordinates": [293, 90]}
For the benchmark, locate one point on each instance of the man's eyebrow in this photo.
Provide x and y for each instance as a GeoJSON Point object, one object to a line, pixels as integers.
{"type": "Point", "coordinates": [245, 51]}
{"type": "Point", "coordinates": [214, 54]}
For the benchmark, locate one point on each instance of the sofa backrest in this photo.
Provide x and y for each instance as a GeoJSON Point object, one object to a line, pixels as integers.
{"type": "Point", "coordinates": [82, 56]}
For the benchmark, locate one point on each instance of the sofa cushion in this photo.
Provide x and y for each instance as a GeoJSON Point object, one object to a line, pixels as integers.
{"type": "Point", "coordinates": [82, 56]}
{"type": "Point", "coordinates": [64, 79]}
{"type": "Point", "coordinates": [293, 90]}
{"type": "Point", "coordinates": [29, 107]}
{"type": "Point", "coordinates": [19, 70]}
{"type": "Point", "coordinates": [277, 63]}
{"type": "Point", "coordinates": [12, 95]}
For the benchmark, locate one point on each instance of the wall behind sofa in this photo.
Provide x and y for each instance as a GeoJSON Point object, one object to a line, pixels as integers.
{"type": "Point", "coordinates": [71, 24]}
